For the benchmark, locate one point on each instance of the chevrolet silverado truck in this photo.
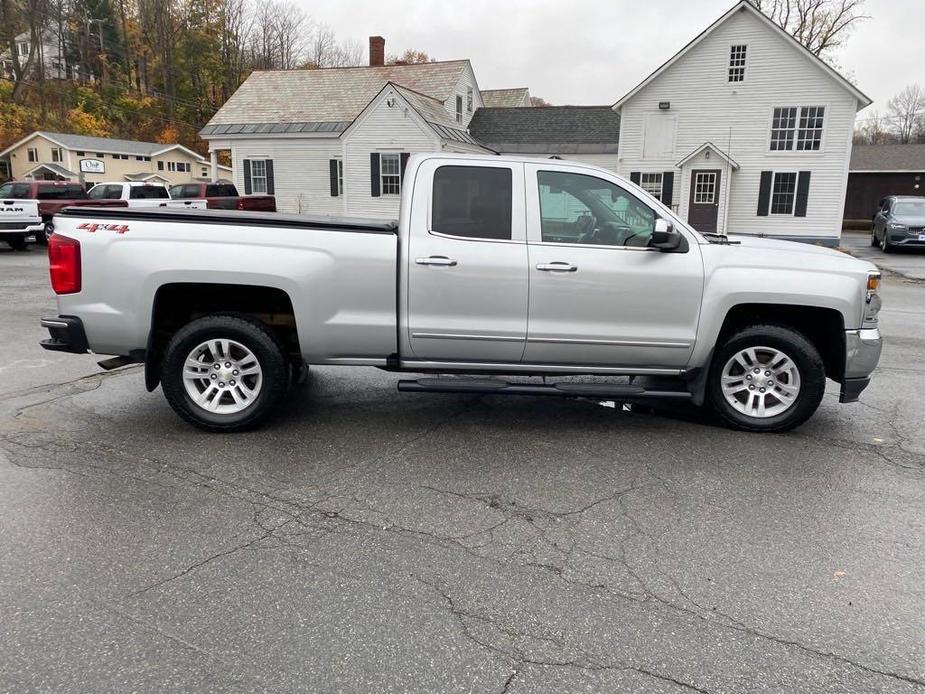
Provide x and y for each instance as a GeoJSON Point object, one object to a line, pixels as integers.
{"type": "Point", "coordinates": [502, 276]}
{"type": "Point", "coordinates": [52, 197]}
{"type": "Point", "coordinates": [19, 222]}
{"type": "Point", "coordinates": [221, 196]}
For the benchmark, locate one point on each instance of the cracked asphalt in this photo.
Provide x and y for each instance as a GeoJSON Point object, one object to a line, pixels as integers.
{"type": "Point", "coordinates": [373, 541]}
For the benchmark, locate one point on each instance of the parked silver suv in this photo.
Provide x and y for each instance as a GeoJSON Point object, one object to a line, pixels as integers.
{"type": "Point", "coordinates": [899, 223]}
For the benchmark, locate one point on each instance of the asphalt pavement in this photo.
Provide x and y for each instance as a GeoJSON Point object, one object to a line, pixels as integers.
{"type": "Point", "coordinates": [375, 541]}
{"type": "Point", "coordinates": [908, 263]}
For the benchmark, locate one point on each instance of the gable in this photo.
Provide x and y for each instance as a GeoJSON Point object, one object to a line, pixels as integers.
{"type": "Point", "coordinates": [769, 46]}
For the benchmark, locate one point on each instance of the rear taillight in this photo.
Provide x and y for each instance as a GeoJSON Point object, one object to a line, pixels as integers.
{"type": "Point", "coordinates": [64, 264]}
{"type": "Point", "coordinates": [240, 204]}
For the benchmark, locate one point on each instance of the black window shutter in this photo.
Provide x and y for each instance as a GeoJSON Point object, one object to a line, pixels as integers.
{"type": "Point", "coordinates": [802, 193]}
{"type": "Point", "coordinates": [332, 173]}
{"type": "Point", "coordinates": [247, 177]}
{"type": "Point", "coordinates": [634, 177]}
{"type": "Point", "coordinates": [403, 164]}
{"type": "Point", "coordinates": [764, 193]}
{"type": "Point", "coordinates": [271, 187]}
{"type": "Point", "coordinates": [668, 188]}
{"type": "Point", "coordinates": [374, 174]}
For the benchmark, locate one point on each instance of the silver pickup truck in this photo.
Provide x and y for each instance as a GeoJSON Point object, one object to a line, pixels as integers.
{"type": "Point", "coordinates": [527, 276]}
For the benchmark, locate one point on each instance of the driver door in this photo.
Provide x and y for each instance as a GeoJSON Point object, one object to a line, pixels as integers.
{"type": "Point", "coordinates": [598, 294]}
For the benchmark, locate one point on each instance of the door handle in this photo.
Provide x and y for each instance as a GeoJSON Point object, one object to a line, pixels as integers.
{"type": "Point", "coordinates": [556, 267]}
{"type": "Point", "coordinates": [436, 260]}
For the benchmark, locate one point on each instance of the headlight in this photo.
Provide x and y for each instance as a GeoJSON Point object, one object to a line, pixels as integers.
{"type": "Point", "coordinates": [895, 226]}
{"type": "Point", "coordinates": [872, 302]}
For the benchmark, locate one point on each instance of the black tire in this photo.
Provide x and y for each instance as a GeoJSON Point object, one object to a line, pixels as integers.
{"type": "Point", "coordinates": [800, 350]}
{"type": "Point", "coordinates": [41, 237]}
{"type": "Point", "coordinates": [885, 245]}
{"type": "Point", "coordinates": [18, 244]}
{"type": "Point", "coordinates": [873, 239]}
{"type": "Point", "coordinates": [250, 333]}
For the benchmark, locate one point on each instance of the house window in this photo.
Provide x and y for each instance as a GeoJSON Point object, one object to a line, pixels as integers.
{"type": "Point", "coordinates": [56, 155]}
{"type": "Point", "coordinates": [705, 188]}
{"type": "Point", "coordinates": [469, 100]}
{"type": "Point", "coordinates": [783, 193]}
{"type": "Point", "coordinates": [391, 167]}
{"type": "Point", "coordinates": [809, 137]}
{"type": "Point", "coordinates": [139, 158]}
{"type": "Point", "coordinates": [205, 173]}
{"type": "Point", "coordinates": [340, 176]}
{"type": "Point", "coordinates": [33, 154]}
{"type": "Point", "coordinates": [459, 111]}
{"type": "Point", "coordinates": [786, 135]}
{"type": "Point", "coordinates": [652, 184]}
{"type": "Point", "coordinates": [783, 125]}
{"type": "Point", "coordinates": [172, 166]}
{"type": "Point", "coordinates": [99, 155]}
{"type": "Point", "coordinates": [80, 154]}
{"type": "Point", "coordinates": [23, 48]}
{"type": "Point", "coordinates": [160, 166]}
{"type": "Point", "coordinates": [737, 63]}
{"type": "Point", "coordinates": [258, 176]}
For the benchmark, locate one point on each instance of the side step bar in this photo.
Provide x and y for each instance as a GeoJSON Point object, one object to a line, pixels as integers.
{"type": "Point", "coordinates": [602, 391]}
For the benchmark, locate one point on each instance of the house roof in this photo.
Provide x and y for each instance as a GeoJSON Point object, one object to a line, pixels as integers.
{"type": "Point", "coordinates": [548, 129]}
{"type": "Point", "coordinates": [325, 100]}
{"type": "Point", "coordinates": [56, 169]}
{"type": "Point", "coordinates": [86, 143]}
{"type": "Point", "coordinates": [747, 6]}
{"type": "Point", "coordinates": [436, 116]}
{"type": "Point", "coordinates": [713, 148]}
{"type": "Point", "coordinates": [505, 98]}
{"type": "Point", "coordinates": [888, 158]}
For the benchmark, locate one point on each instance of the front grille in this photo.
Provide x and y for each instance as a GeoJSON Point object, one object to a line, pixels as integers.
{"type": "Point", "coordinates": [916, 230]}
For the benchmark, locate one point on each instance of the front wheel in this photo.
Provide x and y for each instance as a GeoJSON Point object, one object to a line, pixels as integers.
{"type": "Point", "coordinates": [224, 373]}
{"type": "Point", "coordinates": [766, 378]}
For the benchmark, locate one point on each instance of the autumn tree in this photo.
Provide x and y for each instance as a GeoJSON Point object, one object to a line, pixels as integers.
{"type": "Point", "coordinates": [820, 25]}
{"type": "Point", "coordinates": [539, 101]}
{"type": "Point", "coordinates": [409, 57]}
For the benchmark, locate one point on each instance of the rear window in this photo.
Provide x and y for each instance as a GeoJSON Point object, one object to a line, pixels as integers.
{"type": "Point", "coordinates": [473, 201]}
{"type": "Point", "coordinates": [221, 191]}
{"type": "Point", "coordinates": [15, 191]}
{"type": "Point", "coordinates": [65, 192]}
{"type": "Point", "coordinates": [147, 192]}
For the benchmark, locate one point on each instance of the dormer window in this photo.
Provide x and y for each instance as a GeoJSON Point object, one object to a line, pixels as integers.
{"type": "Point", "coordinates": [459, 111]}
{"type": "Point", "coordinates": [737, 56]}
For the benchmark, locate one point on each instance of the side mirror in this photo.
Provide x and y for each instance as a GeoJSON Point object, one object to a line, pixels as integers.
{"type": "Point", "coordinates": [664, 236]}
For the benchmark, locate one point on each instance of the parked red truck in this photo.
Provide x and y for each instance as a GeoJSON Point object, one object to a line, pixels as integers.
{"type": "Point", "coordinates": [223, 196]}
{"type": "Point", "coordinates": [52, 197]}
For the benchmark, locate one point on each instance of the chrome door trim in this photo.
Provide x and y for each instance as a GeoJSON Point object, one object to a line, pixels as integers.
{"type": "Point", "coordinates": [478, 239]}
{"type": "Point", "coordinates": [464, 336]}
{"type": "Point", "coordinates": [614, 343]}
{"type": "Point", "coordinates": [467, 366]}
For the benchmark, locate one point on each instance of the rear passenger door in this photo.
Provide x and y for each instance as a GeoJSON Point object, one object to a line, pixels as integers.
{"type": "Point", "coordinates": [467, 262]}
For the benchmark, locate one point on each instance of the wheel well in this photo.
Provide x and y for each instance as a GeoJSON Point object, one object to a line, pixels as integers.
{"type": "Point", "coordinates": [175, 305]}
{"type": "Point", "coordinates": [824, 327]}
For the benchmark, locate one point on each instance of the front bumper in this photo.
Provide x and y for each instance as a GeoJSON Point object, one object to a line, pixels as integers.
{"type": "Point", "coordinates": [67, 335]}
{"type": "Point", "coordinates": [862, 353]}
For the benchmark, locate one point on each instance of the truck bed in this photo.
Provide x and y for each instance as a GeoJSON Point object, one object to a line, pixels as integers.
{"type": "Point", "coordinates": [238, 217]}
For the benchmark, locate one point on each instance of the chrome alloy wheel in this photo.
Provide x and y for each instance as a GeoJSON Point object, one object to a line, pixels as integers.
{"type": "Point", "coordinates": [761, 382]}
{"type": "Point", "coordinates": [222, 376]}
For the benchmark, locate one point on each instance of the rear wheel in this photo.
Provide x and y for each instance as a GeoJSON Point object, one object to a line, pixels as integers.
{"type": "Point", "coordinates": [224, 373]}
{"type": "Point", "coordinates": [873, 238]}
{"type": "Point", "coordinates": [766, 378]}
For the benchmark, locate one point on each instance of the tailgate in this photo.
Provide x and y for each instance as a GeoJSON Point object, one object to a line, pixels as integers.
{"type": "Point", "coordinates": [18, 213]}
{"type": "Point", "coordinates": [186, 204]}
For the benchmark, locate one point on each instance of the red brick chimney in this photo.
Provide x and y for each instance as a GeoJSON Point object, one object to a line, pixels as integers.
{"type": "Point", "coordinates": [376, 51]}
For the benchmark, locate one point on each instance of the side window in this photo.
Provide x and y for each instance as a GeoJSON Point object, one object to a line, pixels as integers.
{"type": "Point", "coordinates": [575, 208]}
{"type": "Point", "coordinates": [473, 201]}
{"type": "Point", "coordinates": [97, 192]}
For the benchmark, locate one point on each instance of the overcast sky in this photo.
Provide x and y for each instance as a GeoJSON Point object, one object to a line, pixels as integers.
{"type": "Point", "coordinates": [593, 51]}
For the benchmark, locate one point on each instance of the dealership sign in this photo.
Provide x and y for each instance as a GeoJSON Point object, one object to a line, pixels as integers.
{"type": "Point", "coordinates": [92, 166]}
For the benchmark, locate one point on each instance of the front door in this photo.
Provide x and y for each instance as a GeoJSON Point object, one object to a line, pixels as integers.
{"type": "Point", "coordinates": [704, 203]}
{"type": "Point", "coordinates": [467, 263]}
{"type": "Point", "coordinates": [598, 294]}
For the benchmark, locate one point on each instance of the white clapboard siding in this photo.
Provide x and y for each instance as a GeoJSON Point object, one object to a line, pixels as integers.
{"type": "Point", "coordinates": [736, 117]}
{"type": "Point", "coordinates": [466, 81]}
{"type": "Point", "coordinates": [301, 171]}
{"type": "Point", "coordinates": [380, 129]}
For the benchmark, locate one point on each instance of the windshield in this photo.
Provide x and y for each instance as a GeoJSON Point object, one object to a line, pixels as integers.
{"type": "Point", "coordinates": [907, 208]}
{"type": "Point", "coordinates": [15, 191]}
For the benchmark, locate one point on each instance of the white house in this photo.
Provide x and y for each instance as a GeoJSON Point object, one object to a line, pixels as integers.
{"type": "Point", "coordinates": [50, 53]}
{"type": "Point", "coordinates": [335, 141]}
{"type": "Point", "coordinates": [745, 131]}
